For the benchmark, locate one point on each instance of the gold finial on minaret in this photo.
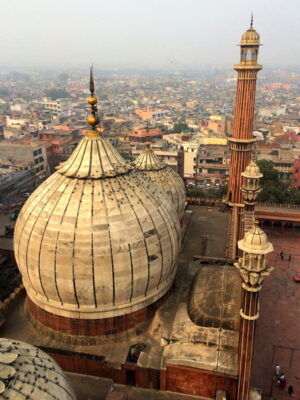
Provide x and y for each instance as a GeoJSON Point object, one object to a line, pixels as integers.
{"type": "Point", "coordinates": [148, 143]}
{"type": "Point", "coordinates": [93, 118]}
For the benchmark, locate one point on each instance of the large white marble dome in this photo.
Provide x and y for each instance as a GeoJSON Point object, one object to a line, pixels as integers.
{"type": "Point", "coordinates": [97, 239]}
{"type": "Point", "coordinates": [164, 177]}
{"type": "Point", "coordinates": [26, 372]}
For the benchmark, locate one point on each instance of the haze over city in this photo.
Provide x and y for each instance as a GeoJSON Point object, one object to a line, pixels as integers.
{"type": "Point", "coordinates": [153, 34]}
{"type": "Point", "coordinates": [149, 200]}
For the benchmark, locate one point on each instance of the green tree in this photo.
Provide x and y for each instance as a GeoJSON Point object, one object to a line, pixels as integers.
{"type": "Point", "coordinates": [293, 196]}
{"type": "Point", "coordinates": [196, 192]}
{"type": "Point", "coordinates": [223, 190]}
{"type": "Point", "coordinates": [206, 194]}
{"type": "Point", "coordinates": [273, 190]}
{"type": "Point", "coordinates": [179, 127]}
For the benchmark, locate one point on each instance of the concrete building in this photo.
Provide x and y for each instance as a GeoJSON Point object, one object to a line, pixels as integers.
{"type": "Point", "coordinates": [151, 113]}
{"type": "Point", "coordinates": [26, 151]}
{"type": "Point", "coordinates": [189, 165]}
{"type": "Point", "coordinates": [19, 106]}
{"type": "Point", "coordinates": [17, 122]}
{"type": "Point", "coordinates": [15, 181]}
{"type": "Point", "coordinates": [212, 165]}
{"type": "Point", "coordinates": [143, 134]}
{"type": "Point", "coordinates": [12, 133]}
{"type": "Point", "coordinates": [56, 107]}
{"type": "Point", "coordinates": [219, 124]}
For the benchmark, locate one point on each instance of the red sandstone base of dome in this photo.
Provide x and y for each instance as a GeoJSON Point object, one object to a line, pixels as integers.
{"type": "Point", "coordinates": [93, 327]}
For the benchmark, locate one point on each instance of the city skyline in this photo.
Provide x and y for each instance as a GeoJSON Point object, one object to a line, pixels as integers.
{"type": "Point", "coordinates": [169, 34]}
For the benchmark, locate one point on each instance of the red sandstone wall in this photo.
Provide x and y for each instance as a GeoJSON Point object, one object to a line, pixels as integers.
{"type": "Point", "coordinates": [197, 382]}
{"type": "Point", "coordinates": [175, 378]}
{"type": "Point", "coordinates": [147, 378]}
{"type": "Point", "coordinates": [87, 367]}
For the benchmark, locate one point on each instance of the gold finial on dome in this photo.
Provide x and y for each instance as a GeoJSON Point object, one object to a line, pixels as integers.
{"type": "Point", "coordinates": [251, 22]}
{"type": "Point", "coordinates": [148, 143]}
{"type": "Point", "coordinates": [93, 118]}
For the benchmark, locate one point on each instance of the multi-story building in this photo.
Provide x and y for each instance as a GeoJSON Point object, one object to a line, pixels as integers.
{"type": "Point", "coordinates": [15, 180]}
{"type": "Point", "coordinates": [26, 151]}
{"type": "Point", "coordinates": [12, 133]}
{"type": "Point", "coordinates": [219, 124]}
{"type": "Point", "coordinates": [19, 106]}
{"type": "Point", "coordinates": [282, 159]}
{"type": "Point", "coordinates": [212, 165]}
{"type": "Point", "coordinates": [57, 141]}
{"type": "Point", "coordinates": [142, 134]}
{"type": "Point", "coordinates": [151, 113]}
{"type": "Point", "coordinates": [16, 122]}
{"type": "Point", "coordinates": [56, 107]}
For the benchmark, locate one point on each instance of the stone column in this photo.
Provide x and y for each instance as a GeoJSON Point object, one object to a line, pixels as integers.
{"type": "Point", "coordinates": [253, 269]}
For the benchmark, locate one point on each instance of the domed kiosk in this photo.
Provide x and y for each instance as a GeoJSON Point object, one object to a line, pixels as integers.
{"type": "Point", "coordinates": [26, 372]}
{"type": "Point", "coordinates": [97, 242]}
{"type": "Point", "coordinates": [164, 177]}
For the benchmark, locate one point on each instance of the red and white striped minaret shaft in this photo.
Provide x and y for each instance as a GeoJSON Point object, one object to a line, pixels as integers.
{"type": "Point", "coordinates": [253, 269]}
{"type": "Point", "coordinates": [242, 138]}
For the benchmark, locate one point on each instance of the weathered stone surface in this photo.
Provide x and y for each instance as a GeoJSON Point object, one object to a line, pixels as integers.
{"type": "Point", "coordinates": [164, 177]}
{"type": "Point", "coordinates": [97, 239]}
{"type": "Point", "coordinates": [215, 297]}
{"type": "Point", "coordinates": [32, 374]}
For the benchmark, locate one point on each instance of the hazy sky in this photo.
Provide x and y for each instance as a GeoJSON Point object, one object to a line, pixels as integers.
{"type": "Point", "coordinates": [154, 33]}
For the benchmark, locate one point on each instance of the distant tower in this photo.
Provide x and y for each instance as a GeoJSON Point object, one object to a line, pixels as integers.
{"type": "Point", "coordinates": [250, 189]}
{"type": "Point", "coordinates": [242, 139]}
{"type": "Point", "coordinates": [252, 267]}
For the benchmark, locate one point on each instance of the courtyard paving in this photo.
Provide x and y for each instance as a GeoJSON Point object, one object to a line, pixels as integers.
{"type": "Point", "coordinates": [278, 328]}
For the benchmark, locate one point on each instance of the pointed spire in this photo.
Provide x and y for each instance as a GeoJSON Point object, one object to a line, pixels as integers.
{"type": "Point", "coordinates": [92, 86]}
{"type": "Point", "coordinates": [251, 22]}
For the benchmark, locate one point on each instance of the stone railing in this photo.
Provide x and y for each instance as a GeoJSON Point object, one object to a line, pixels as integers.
{"type": "Point", "coordinates": [279, 205]}
{"type": "Point", "coordinates": [213, 165]}
{"type": "Point", "coordinates": [202, 201]}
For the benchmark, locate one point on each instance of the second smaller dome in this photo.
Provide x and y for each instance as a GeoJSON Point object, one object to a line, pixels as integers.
{"type": "Point", "coordinates": [255, 242]}
{"type": "Point", "coordinates": [252, 171]}
{"type": "Point", "coordinates": [164, 177]}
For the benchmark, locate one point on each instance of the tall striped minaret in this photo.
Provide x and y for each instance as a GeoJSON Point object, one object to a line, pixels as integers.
{"type": "Point", "coordinates": [242, 138]}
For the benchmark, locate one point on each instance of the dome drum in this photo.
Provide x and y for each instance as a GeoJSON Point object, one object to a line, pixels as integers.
{"type": "Point", "coordinates": [83, 331]}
